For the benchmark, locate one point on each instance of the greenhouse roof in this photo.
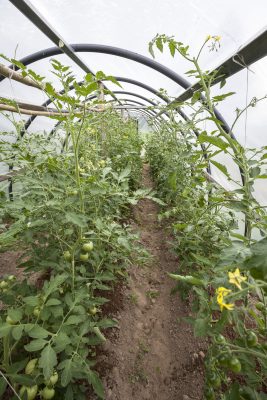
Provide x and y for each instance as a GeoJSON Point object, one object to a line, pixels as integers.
{"type": "Point", "coordinates": [114, 36]}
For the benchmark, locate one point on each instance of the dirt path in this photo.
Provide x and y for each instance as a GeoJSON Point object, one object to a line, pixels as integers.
{"type": "Point", "coordinates": [150, 355]}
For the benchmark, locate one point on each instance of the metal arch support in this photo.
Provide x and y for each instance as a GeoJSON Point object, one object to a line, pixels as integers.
{"type": "Point", "coordinates": [127, 80]}
{"type": "Point", "coordinates": [93, 97]}
{"type": "Point", "coordinates": [125, 54]}
{"type": "Point", "coordinates": [136, 95]}
{"type": "Point", "coordinates": [130, 101]}
{"type": "Point", "coordinates": [139, 97]}
{"type": "Point", "coordinates": [117, 51]}
{"type": "Point", "coordinates": [119, 79]}
{"type": "Point", "coordinates": [111, 50]}
{"type": "Point", "coordinates": [184, 116]}
{"type": "Point", "coordinates": [150, 113]}
{"type": "Point", "coordinates": [144, 114]}
{"type": "Point", "coordinates": [144, 86]}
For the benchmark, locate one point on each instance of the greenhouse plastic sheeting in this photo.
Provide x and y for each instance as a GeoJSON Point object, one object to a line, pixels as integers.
{"type": "Point", "coordinates": [131, 25]}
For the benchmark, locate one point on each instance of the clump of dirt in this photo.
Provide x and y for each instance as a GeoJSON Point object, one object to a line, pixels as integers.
{"type": "Point", "coordinates": [150, 355]}
{"type": "Point", "coordinates": [8, 263]}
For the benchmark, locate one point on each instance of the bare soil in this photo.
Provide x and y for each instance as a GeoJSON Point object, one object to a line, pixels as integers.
{"type": "Point", "coordinates": [8, 263]}
{"type": "Point", "coordinates": [152, 354]}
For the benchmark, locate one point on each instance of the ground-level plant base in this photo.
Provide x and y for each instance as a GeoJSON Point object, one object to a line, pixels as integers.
{"type": "Point", "coordinates": [152, 353]}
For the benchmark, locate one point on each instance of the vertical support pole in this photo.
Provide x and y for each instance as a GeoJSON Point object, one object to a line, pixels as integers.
{"type": "Point", "coordinates": [125, 115]}
{"type": "Point", "coordinates": [101, 95]}
{"type": "Point", "coordinates": [101, 98]}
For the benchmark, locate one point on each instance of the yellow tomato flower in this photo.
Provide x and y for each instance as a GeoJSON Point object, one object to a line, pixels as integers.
{"type": "Point", "coordinates": [236, 279]}
{"type": "Point", "coordinates": [208, 38]}
{"type": "Point", "coordinates": [217, 38]}
{"type": "Point", "coordinates": [222, 292]}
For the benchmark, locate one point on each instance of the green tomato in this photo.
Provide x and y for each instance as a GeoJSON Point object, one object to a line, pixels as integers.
{"type": "Point", "coordinates": [52, 380]}
{"type": "Point", "coordinates": [223, 360]}
{"type": "Point", "coordinates": [22, 391]}
{"type": "Point", "coordinates": [32, 392]}
{"type": "Point", "coordinates": [252, 339]}
{"type": "Point", "coordinates": [260, 306]}
{"type": "Point", "coordinates": [3, 284]}
{"type": "Point", "coordinates": [73, 192]}
{"type": "Point", "coordinates": [30, 367]}
{"type": "Point", "coordinates": [215, 380]}
{"type": "Point", "coordinates": [10, 321]}
{"type": "Point", "coordinates": [234, 365]}
{"type": "Point", "coordinates": [36, 311]}
{"type": "Point", "coordinates": [48, 393]}
{"type": "Point", "coordinates": [220, 339]}
{"type": "Point", "coordinates": [84, 256]}
{"type": "Point", "coordinates": [88, 247]}
{"type": "Point", "coordinates": [11, 278]}
{"type": "Point", "coordinates": [93, 310]}
{"type": "Point", "coordinates": [67, 256]}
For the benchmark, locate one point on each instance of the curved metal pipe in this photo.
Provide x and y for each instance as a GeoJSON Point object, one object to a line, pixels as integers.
{"type": "Point", "coordinates": [147, 113]}
{"type": "Point", "coordinates": [143, 114]}
{"type": "Point", "coordinates": [130, 101]}
{"type": "Point", "coordinates": [144, 86]}
{"type": "Point", "coordinates": [93, 97]}
{"type": "Point", "coordinates": [111, 50]}
{"type": "Point", "coordinates": [119, 79]}
{"type": "Point", "coordinates": [150, 113]}
{"type": "Point", "coordinates": [140, 97]}
{"type": "Point", "coordinates": [117, 51]}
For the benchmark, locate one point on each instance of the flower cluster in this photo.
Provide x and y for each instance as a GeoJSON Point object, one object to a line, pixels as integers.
{"type": "Point", "coordinates": [216, 38]}
{"type": "Point", "coordinates": [222, 292]}
{"type": "Point", "coordinates": [236, 279]}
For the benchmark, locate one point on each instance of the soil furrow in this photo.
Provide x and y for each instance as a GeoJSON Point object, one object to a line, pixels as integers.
{"type": "Point", "coordinates": [151, 355]}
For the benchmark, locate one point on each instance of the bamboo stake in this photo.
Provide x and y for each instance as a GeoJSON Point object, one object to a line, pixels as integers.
{"type": "Point", "coordinates": [19, 110]}
{"type": "Point", "coordinates": [29, 106]}
{"type": "Point", "coordinates": [33, 110]}
{"type": "Point", "coordinates": [16, 76]}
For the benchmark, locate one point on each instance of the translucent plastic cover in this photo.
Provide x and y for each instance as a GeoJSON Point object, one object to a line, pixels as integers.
{"type": "Point", "coordinates": [131, 25]}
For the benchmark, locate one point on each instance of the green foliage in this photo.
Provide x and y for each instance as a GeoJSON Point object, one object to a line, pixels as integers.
{"type": "Point", "coordinates": [224, 270]}
{"type": "Point", "coordinates": [72, 188]}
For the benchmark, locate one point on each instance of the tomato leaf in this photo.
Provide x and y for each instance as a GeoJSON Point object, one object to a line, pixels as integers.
{"type": "Point", "coordinates": [35, 345]}
{"type": "Point", "coordinates": [38, 332]}
{"type": "Point", "coordinates": [3, 385]}
{"type": "Point", "coordinates": [221, 167]}
{"type": "Point", "coordinates": [66, 373]}
{"type": "Point", "coordinates": [94, 380]}
{"type": "Point", "coordinates": [47, 361]}
{"type": "Point", "coordinates": [17, 332]}
{"type": "Point", "coordinates": [5, 329]}
{"type": "Point", "coordinates": [215, 140]}
{"type": "Point", "coordinates": [222, 96]}
{"type": "Point", "coordinates": [76, 219]}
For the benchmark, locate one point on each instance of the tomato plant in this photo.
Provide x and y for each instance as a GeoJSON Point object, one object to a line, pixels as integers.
{"type": "Point", "coordinates": [223, 270]}
{"type": "Point", "coordinates": [68, 221]}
